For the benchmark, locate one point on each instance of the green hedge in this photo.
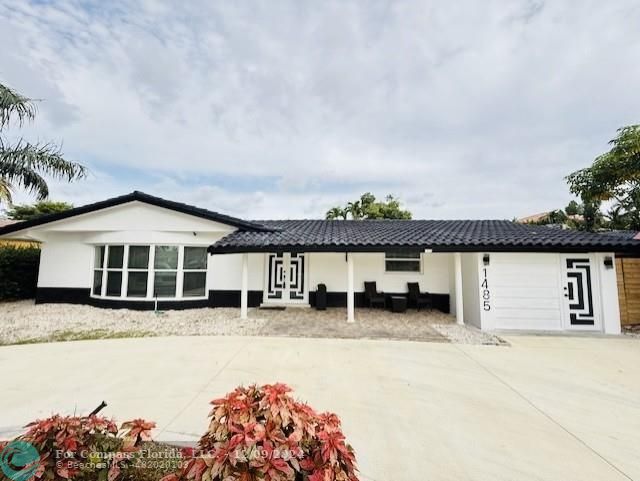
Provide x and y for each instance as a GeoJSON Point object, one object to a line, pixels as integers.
{"type": "Point", "coordinates": [18, 272]}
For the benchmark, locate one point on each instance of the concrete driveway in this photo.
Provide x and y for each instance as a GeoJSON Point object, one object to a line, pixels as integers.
{"type": "Point", "coordinates": [545, 408]}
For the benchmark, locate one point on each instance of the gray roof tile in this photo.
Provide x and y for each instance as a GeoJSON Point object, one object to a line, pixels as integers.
{"type": "Point", "coordinates": [440, 235]}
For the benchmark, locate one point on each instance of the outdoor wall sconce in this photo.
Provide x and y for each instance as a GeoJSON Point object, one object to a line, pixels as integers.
{"type": "Point", "coordinates": [608, 262]}
{"type": "Point", "coordinates": [485, 259]}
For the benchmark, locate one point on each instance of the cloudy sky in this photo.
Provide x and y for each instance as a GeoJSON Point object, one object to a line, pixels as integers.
{"type": "Point", "coordinates": [281, 109]}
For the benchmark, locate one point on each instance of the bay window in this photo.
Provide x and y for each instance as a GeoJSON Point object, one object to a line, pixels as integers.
{"type": "Point", "coordinates": [149, 271]}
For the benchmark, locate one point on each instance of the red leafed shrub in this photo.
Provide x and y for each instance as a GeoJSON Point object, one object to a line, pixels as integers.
{"type": "Point", "coordinates": [262, 433]}
{"type": "Point", "coordinates": [84, 448]}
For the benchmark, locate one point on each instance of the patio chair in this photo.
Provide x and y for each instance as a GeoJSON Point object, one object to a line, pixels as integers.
{"type": "Point", "coordinates": [372, 296]}
{"type": "Point", "coordinates": [417, 298]}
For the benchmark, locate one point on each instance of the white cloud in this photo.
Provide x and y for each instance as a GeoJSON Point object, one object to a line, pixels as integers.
{"type": "Point", "coordinates": [463, 109]}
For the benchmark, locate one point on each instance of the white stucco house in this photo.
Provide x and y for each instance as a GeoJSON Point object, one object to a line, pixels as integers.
{"type": "Point", "coordinates": [143, 252]}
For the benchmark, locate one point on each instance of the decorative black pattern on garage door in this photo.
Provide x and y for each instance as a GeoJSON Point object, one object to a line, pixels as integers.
{"type": "Point", "coordinates": [296, 277]}
{"type": "Point", "coordinates": [277, 278]}
{"type": "Point", "coordinates": [579, 292]}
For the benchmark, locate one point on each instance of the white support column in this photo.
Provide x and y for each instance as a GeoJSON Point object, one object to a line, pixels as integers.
{"type": "Point", "coordinates": [244, 292]}
{"type": "Point", "coordinates": [350, 291]}
{"type": "Point", "coordinates": [458, 276]}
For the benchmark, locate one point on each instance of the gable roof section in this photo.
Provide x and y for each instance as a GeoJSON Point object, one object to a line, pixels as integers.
{"type": "Point", "coordinates": [140, 197]}
{"type": "Point", "coordinates": [439, 235]}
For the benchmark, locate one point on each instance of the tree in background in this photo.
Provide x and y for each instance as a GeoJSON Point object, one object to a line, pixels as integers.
{"type": "Point", "coordinates": [33, 211]}
{"type": "Point", "coordinates": [337, 213]}
{"type": "Point", "coordinates": [573, 208]}
{"type": "Point", "coordinates": [367, 207]}
{"type": "Point", "coordinates": [23, 164]}
{"type": "Point", "coordinates": [613, 176]}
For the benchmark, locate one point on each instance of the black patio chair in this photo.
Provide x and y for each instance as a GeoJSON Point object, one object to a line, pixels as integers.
{"type": "Point", "coordinates": [417, 298]}
{"type": "Point", "coordinates": [372, 296]}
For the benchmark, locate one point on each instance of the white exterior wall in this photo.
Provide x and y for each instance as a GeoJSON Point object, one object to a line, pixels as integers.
{"type": "Point", "coordinates": [610, 305]}
{"type": "Point", "coordinates": [225, 272]}
{"type": "Point", "coordinates": [328, 268]}
{"type": "Point", "coordinates": [331, 269]}
{"type": "Point", "coordinates": [471, 291]}
{"type": "Point", "coordinates": [68, 245]}
{"type": "Point", "coordinates": [65, 261]}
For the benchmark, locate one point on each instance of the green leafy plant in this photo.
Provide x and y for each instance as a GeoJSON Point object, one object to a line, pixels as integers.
{"type": "Point", "coordinates": [262, 433]}
{"type": "Point", "coordinates": [613, 176]}
{"type": "Point", "coordinates": [18, 272]}
{"type": "Point", "coordinates": [39, 209]}
{"type": "Point", "coordinates": [367, 207]}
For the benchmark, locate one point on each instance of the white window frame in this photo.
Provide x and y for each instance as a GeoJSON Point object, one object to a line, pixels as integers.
{"type": "Point", "coordinates": [125, 280]}
{"type": "Point", "coordinates": [150, 273]}
{"type": "Point", "coordinates": [189, 271]}
{"type": "Point", "coordinates": [403, 259]}
{"type": "Point", "coordinates": [107, 269]}
{"type": "Point", "coordinates": [176, 270]}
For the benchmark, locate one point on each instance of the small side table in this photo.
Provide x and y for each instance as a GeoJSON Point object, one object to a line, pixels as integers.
{"type": "Point", "coordinates": [398, 303]}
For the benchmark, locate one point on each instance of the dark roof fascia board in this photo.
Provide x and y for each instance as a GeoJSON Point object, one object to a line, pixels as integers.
{"type": "Point", "coordinates": [140, 197]}
{"type": "Point", "coordinates": [435, 248]}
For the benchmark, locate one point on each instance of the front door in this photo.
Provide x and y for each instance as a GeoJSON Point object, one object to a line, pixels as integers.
{"type": "Point", "coordinates": [286, 280]}
{"type": "Point", "coordinates": [579, 287]}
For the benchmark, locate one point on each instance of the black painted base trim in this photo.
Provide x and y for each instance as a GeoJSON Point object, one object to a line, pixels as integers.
{"type": "Point", "coordinates": [339, 299]}
{"type": "Point", "coordinates": [68, 295]}
{"type": "Point", "coordinates": [62, 295]}
{"type": "Point", "coordinates": [217, 298]}
{"type": "Point", "coordinates": [221, 298]}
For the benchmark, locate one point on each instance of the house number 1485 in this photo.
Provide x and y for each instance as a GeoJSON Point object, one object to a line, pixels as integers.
{"type": "Point", "coordinates": [486, 294]}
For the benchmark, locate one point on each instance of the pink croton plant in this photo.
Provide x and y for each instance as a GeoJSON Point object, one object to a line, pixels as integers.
{"type": "Point", "coordinates": [263, 434]}
{"type": "Point", "coordinates": [65, 447]}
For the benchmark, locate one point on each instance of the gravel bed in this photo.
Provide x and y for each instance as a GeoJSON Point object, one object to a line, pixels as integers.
{"type": "Point", "coordinates": [24, 320]}
{"type": "Point", "coordinates": [468, 335]}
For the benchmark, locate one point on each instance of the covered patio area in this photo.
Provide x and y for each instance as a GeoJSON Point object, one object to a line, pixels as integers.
{"type": "Point", "coordinates": [352, 281]}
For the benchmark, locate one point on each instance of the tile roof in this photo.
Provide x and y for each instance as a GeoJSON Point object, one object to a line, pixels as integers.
{"type": "Point", "coordinates": [439, 235]}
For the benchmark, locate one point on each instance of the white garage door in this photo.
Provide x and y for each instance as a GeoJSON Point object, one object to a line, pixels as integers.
{"type": "Point", "coordinates": [527, 291]}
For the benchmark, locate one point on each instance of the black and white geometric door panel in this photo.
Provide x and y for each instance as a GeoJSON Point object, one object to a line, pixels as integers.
{"type": "Point", "coordinates": [579, 291]}
{"type": "Point", "coordinates": [296, 277]}
{"type": "Point", "coordinates": [276, 277]}
{"type": "Point", "coordinates": [286, 277]}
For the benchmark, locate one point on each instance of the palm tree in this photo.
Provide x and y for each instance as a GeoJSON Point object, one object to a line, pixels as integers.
{"type": "Point", "coordinates": [336, 213]}
{"type": "Point", "coordinates": [355, 209]}
{"type": "Point", "coordinates": [23, 164]}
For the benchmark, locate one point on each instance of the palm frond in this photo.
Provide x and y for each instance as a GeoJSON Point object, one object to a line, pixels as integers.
{"type": "Point", "coordinates": [25, 177]}
{"type": "Point", "coordinates": [23, 164]}
{"type": "Point", "coordinates": [45, 158]}
{"type": "Point", "coordinates": [5, 191]}
{"type": "Point", "coordinates": [12, 103]}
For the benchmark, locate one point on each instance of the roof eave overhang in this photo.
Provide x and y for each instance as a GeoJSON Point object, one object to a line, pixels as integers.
{"type": "Point", "coordinates": [136, 197]}
{"type": "Point", "coordinates": [213, 249]}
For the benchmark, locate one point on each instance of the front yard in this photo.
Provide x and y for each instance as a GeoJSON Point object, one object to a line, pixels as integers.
{"type": "Point", "coordinates": [23, 322]}
{"type": "Point", "coordinates": [546, 408]}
